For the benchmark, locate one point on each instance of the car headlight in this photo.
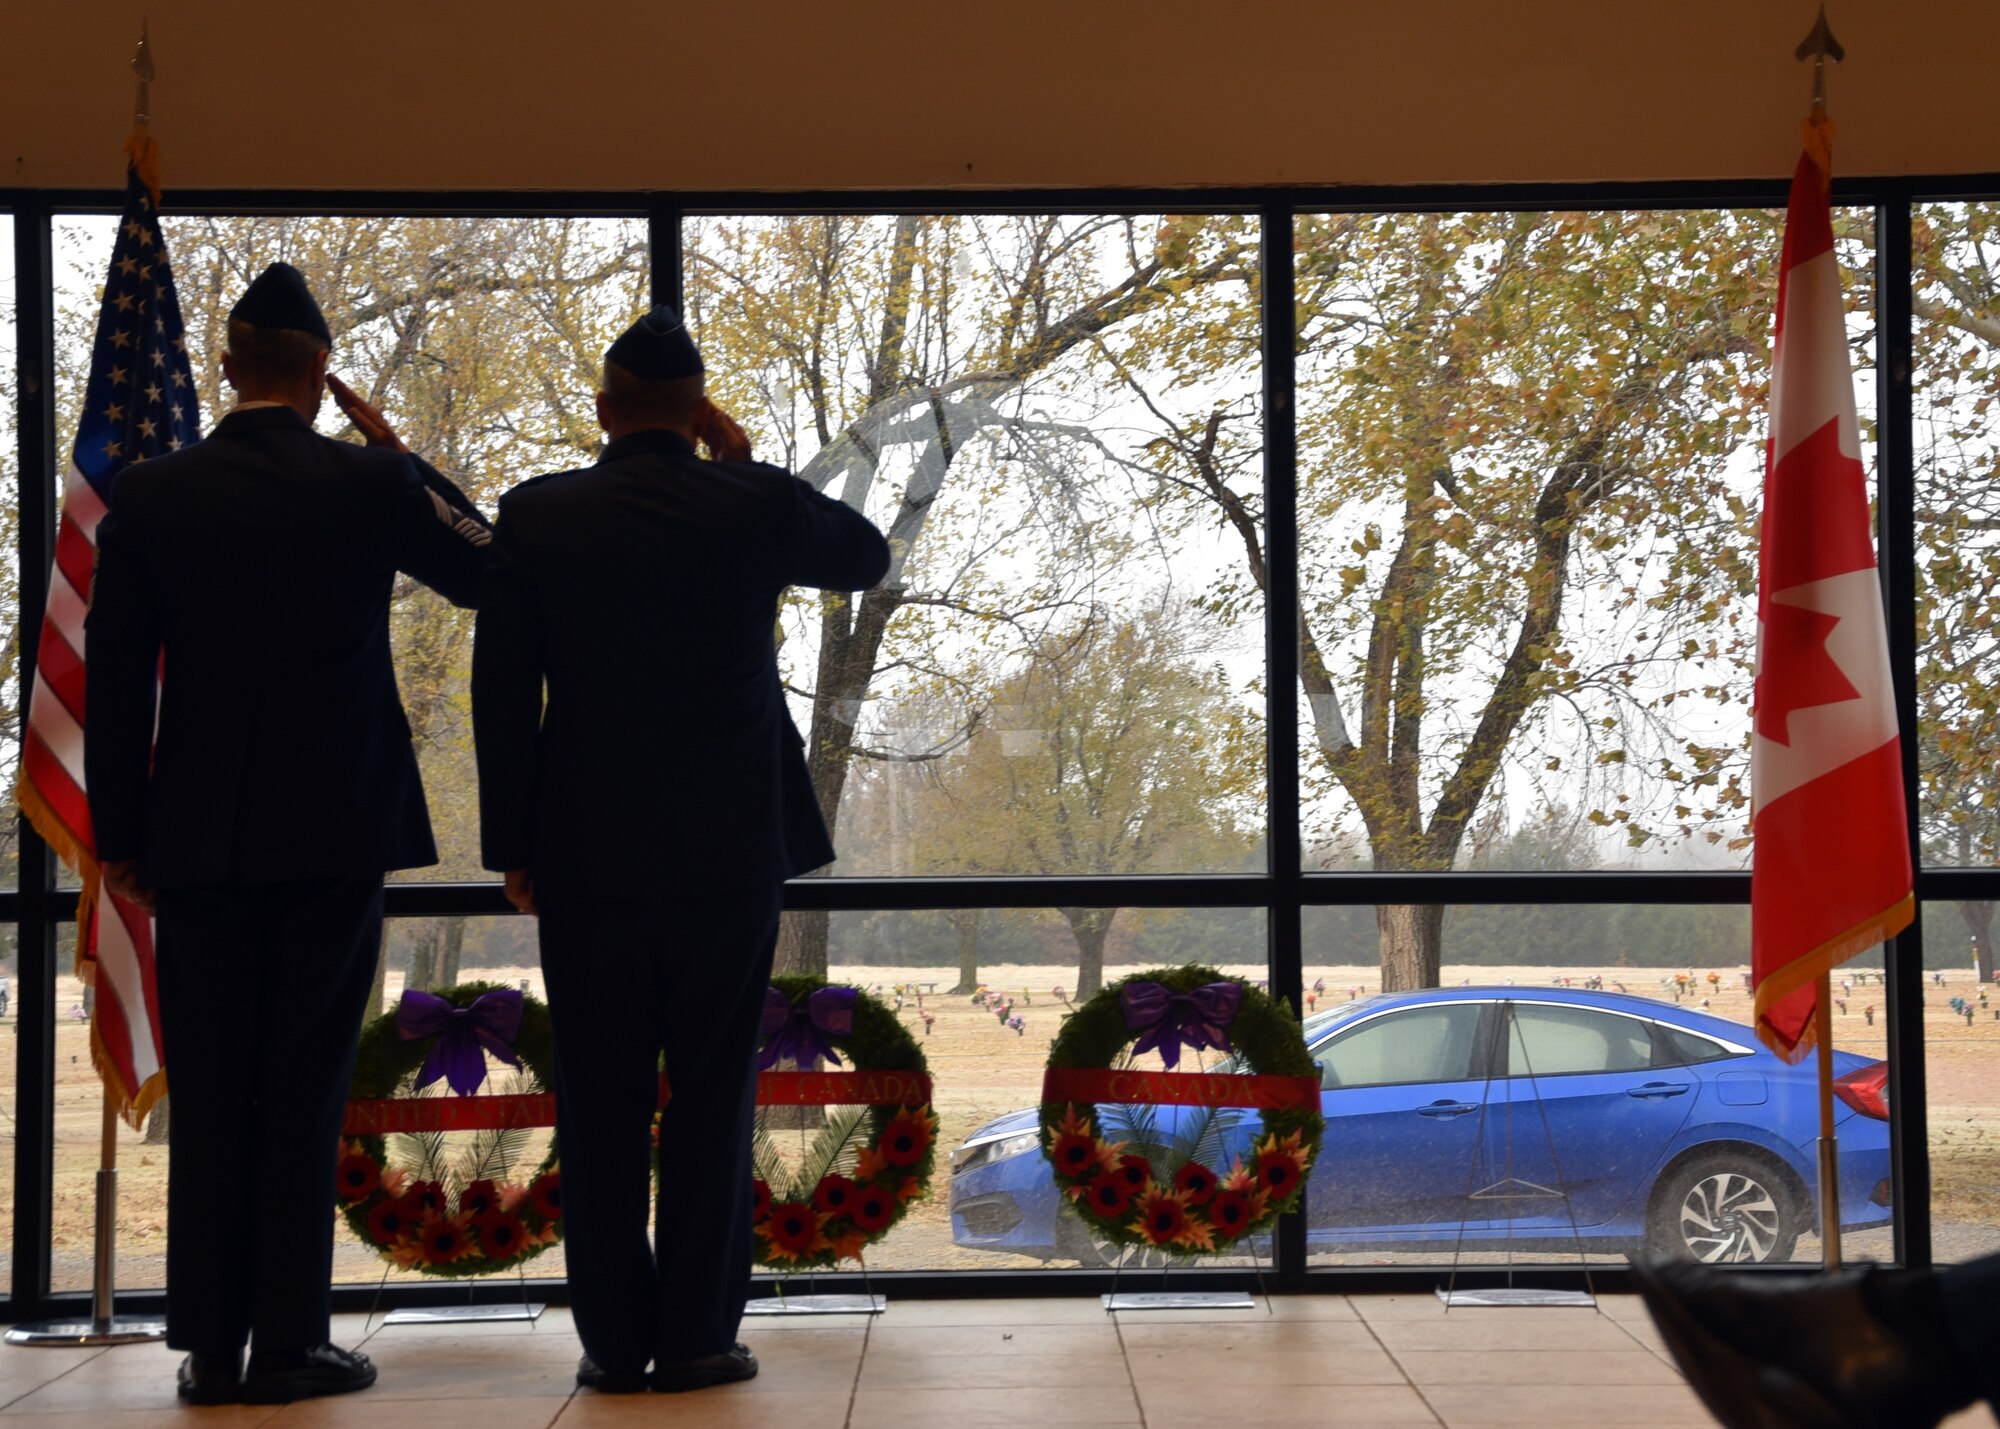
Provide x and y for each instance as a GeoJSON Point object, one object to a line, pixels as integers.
{"type": "Point", "coordinates": [987, 1152]}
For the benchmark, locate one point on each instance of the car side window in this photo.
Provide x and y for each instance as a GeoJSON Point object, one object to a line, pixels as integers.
{"type": "Point", "coordinates": [1552, 1041]}
{"type": "Point", "coordinates": [1673, 1047]}
{"type": "Point", "coordinates": [1417, 1044]}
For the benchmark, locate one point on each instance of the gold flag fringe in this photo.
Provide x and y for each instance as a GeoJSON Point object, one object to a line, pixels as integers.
{"type": "Point", "coordinates": [1810, 967]}
{"type": "Point", "coordinates": [130, 1105]}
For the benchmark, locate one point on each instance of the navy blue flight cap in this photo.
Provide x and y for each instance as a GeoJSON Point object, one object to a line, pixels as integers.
{"type": "Point", "coordinates": [657, 348]}
{"type": "Point", "coordinates": [280, 298]}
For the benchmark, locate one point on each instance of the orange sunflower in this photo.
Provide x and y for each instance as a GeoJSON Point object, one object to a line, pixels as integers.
{"type": "Point", "coordinates": [501, 1236]}
{"type": "Point", "coordinates": [357, 1176]}
{"type": "Point", "coordinates": [873, 1209]}
{"type": "Point", "coordinates": [446, 1238]}
{"type": "Point", "coordinates": [1235, 1210]}
{"type": "Point", "coordinates": [1163, 1217]}
{"type": "Point", "coordinates": [907, 1138]}
{"type": "Point", "coordinates": [1281, 1165]}
{"type": "Point", "coordinates": [794, 1229]}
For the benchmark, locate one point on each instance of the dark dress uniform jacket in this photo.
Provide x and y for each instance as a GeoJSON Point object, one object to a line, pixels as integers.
{"type": "Point", "coordinates": [644, 591]}
{"type": "Point", "coordinates": [260, 564]}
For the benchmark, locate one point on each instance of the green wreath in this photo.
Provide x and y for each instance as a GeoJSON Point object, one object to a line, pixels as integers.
{"type": "Point", "coordinates": [863, 1168]}
{"type": "Point", "coordinates": [449, 1217]}
{"type": "Point", "coordinates": [1169, 1199]}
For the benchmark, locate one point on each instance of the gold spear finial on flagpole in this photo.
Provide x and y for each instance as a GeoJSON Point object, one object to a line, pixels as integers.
{"type": "Point", "coordinates": [139, 147]}
{"type": "Point", "coordinates": [1819, 47]}
{"type": "Point", "coordinates": [142, 66]}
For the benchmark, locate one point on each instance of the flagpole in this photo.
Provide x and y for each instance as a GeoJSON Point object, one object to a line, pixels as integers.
{"type": "Point", "coordinates": [1829, 1150]}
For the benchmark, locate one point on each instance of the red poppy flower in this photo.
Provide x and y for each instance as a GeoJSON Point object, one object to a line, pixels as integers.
{"type": "Point", "coordinates": [424, 1197]}
{"type": "Point", "coordinates": [390, 1221]}
{"type": "Point", "coordinates": [1162, 1217]}
{"type": "Point", "coordinates": [1133, 1172]}
{"type": "Point", "coordinates": [478, 1198]}
{"type": "Point", "coordinates": [545, 1195]}
{"type": "Point", "coordinates": [445, 1239]}
{"type": "Point", "coordinates": [357, 1176]}
{"type": "Point", "coordinates": [760, 1199]}
{"type": "Point", "coordinates": [1076, 1157]}
{"type": "Point", "coordinates": [501, 1236]}
{"type": "Point", "coordinates": [873, 1209]}
{"type": "Point", "coordinates": [794, 1229]}
{"type": "Point", "coordinates": [1108, 1195]}
{"type": "Point", "coordinates": [906, 1138]}
{"type": "Point", "coordinates": [1235, 1211]}
{"type": "Point", "coordinates": [833, 1195]}
{"type": "Point", "coordinates": [1195, 1182]}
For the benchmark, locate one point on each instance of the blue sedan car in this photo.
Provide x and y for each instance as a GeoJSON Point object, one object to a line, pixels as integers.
{"type": "Point", "coordinates": [1541, 1118]}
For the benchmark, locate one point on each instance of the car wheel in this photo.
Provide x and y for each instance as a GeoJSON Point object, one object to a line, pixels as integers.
{"type": "Point", "coordinates": [1724, 1209]}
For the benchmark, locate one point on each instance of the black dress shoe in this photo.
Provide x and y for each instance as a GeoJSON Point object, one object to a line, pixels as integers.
{"type": "Point", "coordinates": [591, 1375]}
{"type": "Point", "coordinates": [734, 1363]}
{"type": "Point", "coordinates": [281, 1377]}
{"type": "Point", "coordinates": [1794, 1353]}
{"type": "Point", "coordinates": [210, 1379]}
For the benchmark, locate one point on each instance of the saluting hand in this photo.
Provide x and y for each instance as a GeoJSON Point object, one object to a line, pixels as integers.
{"type": "Point", "coordinates": [717, 431]}
{"type": "Point", "coordinates": [372, 425]}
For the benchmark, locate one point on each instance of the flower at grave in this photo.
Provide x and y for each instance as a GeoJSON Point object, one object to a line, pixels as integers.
{"type": "Point", "coordinates": [1162, 1218]}
{"type": "Point", "coordinates": [357, 1177]}
{"type": "Point", "coordinates": [760, 1198]}
{"type": "Point", "coordinates": [446, 1238]}
{"type": "Point", "coordinates": [1281, 1165]}
{"type": "Point", "coordinates": [833, 1194]}
{"type": "Point", "coordinates": [1019, 1024]}
{"type": "Point", "coordinates": [545, 1195]}
{"type": "Point", "coordinates": [1195, 1182]}
{"type": "Point", "coordinates": [501, 1236]}
{"type": "Point", "coordinates": [1232, 1211]}
{"type": "Point", "coordinates": [873, 1208]}
{"type": "Point", "coordinates": [478, 1198]}
{"type": "Point", "coordinates": [793, 1229]}
{"type": "Point", "coordinates": [1108, 1195]}
{"type": "Point", "coordinates": [906, 1138]}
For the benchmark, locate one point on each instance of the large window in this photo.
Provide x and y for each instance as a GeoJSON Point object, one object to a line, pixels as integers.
{"type": "Point", "coordinates": [1512, 459]}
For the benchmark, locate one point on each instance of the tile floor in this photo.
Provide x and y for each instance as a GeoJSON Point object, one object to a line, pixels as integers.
{"type": "Point", "coordinates": [1321, 1360]}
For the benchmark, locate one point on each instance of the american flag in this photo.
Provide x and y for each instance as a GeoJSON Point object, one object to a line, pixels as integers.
{"type": "Point", "coordinates": [139, 402]}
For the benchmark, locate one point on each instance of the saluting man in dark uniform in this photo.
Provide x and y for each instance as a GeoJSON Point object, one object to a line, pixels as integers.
{"type": "Point", "coordinates": [251, 574]}
{"type": "Point", "coordinates": [650, 812]}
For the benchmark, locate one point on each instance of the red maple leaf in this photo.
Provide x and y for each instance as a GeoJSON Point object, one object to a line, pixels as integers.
{"type": "Point", "coordinates": [1797, 673]}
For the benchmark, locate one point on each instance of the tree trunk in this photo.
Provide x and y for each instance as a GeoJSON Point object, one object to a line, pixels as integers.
{"type": "Point", "coordinates": [454, 945]}
{"type": "Point", "coordinates": [802, 943]}
{"type": "Point", "coordinates": [1412, 939]}
{"type": "Point", "coordinates": [1978, 917]}
{"type": "Point", "coordinates": [423, 959]}
{"type": "Point", "coordinates": [968, 951]}
{"type": "Point", "coordinates": [156, 1122]}
{"type": "Point", "coordinates": [381, 982]}
{"type": "Point", "coordinates": [1089, 926]}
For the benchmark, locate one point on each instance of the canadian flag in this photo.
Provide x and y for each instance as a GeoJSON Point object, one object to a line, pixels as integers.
{"type": "Point", "coordinates": [1831, 870]}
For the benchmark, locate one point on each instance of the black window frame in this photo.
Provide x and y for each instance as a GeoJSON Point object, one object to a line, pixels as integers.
{"type": "Point", "coordinates": [43, 914]}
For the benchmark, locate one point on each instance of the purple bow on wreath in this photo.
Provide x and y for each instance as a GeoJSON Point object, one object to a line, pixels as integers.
{"type": "Point", "coordinates": [464, 1034]}
{"type": "Point", "coordinates": [1172, 1020]}
{"type": "Point", "coordinates": [799, 1034]}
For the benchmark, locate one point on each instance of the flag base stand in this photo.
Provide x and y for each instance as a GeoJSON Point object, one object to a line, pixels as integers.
{"type": "Point", "coordinates": [105, 1326]}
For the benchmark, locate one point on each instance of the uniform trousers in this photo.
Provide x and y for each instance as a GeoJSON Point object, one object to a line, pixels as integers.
{"type": "Point", "coordinates": [631, 982]}
{"type": "Point", "coordinates": [262, 989]}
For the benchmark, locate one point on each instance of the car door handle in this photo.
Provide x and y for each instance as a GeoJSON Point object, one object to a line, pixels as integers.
{"type": "Point", "coordinates": [1446, 1109]}
{"type": "Point", "coordinates": [1658, 1089]}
